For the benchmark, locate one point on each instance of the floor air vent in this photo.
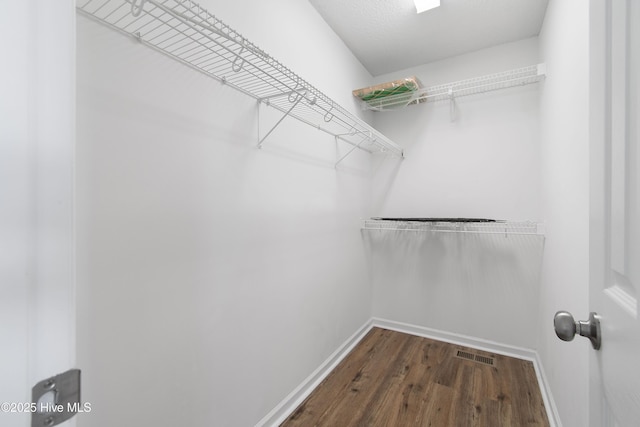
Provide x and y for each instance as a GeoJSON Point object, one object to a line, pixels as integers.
{"type": "Point", "coordinates": [475, 358]}
{"type": "Point", "coordinates": [465, 355]}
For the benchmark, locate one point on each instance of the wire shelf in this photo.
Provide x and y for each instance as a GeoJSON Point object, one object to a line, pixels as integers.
{"type": "Point", "coordinates": [496, 227]}
{"type": "Point", "coordinates": [188, 33]}
{"type": "Point", "coordinates": [503, 80]}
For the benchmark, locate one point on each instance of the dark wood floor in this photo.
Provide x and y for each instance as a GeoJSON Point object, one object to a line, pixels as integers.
{"type": "Point", "coordinates": [396, 379]}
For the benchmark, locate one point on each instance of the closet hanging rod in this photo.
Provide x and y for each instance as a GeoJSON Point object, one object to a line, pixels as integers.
{"type": "Point", "coordinates": [188, 33]}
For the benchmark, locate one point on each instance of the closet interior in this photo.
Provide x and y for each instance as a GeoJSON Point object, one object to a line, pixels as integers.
{"type": "Point", "coordinates": [241, 255]}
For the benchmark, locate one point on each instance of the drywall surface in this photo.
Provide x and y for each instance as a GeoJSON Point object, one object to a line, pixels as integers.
{"type": "Point", "coordinates": [484, 164]}
{"type": "Point", "coordinates": [213, 277]}
{"type": "Point", "coordinates": [483, 286]}
{"type": "Point", "coordinates": [564, 44]}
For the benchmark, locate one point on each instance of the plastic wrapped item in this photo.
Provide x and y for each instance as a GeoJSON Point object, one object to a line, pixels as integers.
{"type": "Point", "coordinates": [385, 95]}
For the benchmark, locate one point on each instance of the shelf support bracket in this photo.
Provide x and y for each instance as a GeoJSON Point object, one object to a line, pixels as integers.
{"type": "Point", "coordinates": [452, 105]}
{"type": "Point", "coordinates": [351, 150]}
{"type": "Point", "coordinates": [296, 102]}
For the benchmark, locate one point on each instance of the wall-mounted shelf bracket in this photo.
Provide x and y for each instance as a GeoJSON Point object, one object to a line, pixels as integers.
{"type": "Point", "coordinates": [298, 96]}
{"type": "Point", "coordinates": [452, 106]}
{"type": "Point", "coordinates": [348, 152]}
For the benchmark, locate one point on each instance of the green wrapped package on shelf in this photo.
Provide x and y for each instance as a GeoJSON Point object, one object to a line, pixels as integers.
{"type": "Point", "coordinates": [376, 95]}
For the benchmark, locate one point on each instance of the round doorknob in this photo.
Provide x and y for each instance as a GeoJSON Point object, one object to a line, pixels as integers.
{"type": "Point", "coordinates": [566, 327]}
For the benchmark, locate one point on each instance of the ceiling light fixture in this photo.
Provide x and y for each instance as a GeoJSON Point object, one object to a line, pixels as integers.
{"type": "Point", "coordinates": [424, 5]}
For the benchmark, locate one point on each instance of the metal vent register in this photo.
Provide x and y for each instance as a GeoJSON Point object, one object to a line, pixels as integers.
{"type": "Point", "coordinates": [460, 354]}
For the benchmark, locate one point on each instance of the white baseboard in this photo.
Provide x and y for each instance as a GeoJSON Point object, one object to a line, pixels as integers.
{"type": "Point", "coordinates": [297, 396]}
{"type": "Point", "coordinates": [300, 393]}
{"type": "Point", "coordinates": [458, 339]}
{"type": "Point", "coordinates": [549, 403]}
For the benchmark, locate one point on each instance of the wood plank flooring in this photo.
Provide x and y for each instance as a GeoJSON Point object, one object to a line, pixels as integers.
{"type": "Point", "coordinates": [396, 379]}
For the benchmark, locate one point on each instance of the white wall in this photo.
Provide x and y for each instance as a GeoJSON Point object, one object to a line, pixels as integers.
{"type": "Point", "coordinates": [564, 109]}
{"type": "Point", "coordinates": [483, 286]}
{"type": "Point", "coordinates": [484, 164]}
{"type": "Point", "coordinates": [213, 277]}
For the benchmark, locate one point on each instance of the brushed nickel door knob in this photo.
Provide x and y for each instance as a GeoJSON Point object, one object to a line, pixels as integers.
{"type": "Point", "coordinates": [566, 327]}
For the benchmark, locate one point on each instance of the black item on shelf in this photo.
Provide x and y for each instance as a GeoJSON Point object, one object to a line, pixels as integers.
{"type": "Point", "coordinates": [437, 219]}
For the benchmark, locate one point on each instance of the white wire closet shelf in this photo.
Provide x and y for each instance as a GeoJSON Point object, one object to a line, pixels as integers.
{"type": "Point", "coordinates": [450, 91]}
{"type": "Point", "coordinates": [453, 226]}
{"type": "Point", "coordinates": [188, 33]}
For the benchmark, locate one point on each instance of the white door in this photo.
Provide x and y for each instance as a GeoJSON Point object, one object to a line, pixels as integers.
{"type": "Point", "coordinates": [615, 211]}
{"type": "Point", "coordinates": [37, 125]}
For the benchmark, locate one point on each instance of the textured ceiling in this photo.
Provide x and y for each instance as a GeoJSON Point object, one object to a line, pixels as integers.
{"type": "Point", "coordinates": [388, 35]}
